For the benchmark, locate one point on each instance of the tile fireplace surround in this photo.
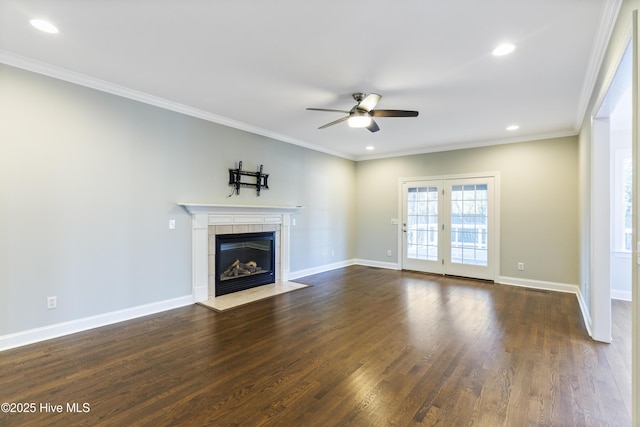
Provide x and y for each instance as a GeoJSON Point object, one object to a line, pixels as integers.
{"type": "Point", "coordinates": [209, 220]}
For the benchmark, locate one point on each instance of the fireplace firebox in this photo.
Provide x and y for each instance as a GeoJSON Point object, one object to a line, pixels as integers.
{"type": "Point", "coordinates": [244, 261]}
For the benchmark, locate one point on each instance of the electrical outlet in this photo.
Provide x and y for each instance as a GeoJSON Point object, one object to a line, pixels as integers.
{"type": "Point", "coordinates": [333, 253]}
{"type": "Point", "coordinates": [521, 266]}
{"type": "Point", "coordinates": [389, 252]}
{"type": "Point", "coordinates": [172, 224]}
{"type": "Point", "coordinates": [52, 302]}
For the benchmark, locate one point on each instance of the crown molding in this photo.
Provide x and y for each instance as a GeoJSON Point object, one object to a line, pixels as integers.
{"type": "Point", "coordinates": [49, 70]}
{"type": "Point", "coordinates": [114, 89]}
{"type": "Point", "coordinates": [610, 11]}
{"type": "Point", "coordinates": [470, 144]}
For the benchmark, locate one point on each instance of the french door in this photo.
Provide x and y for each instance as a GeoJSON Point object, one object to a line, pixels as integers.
{"type": "Point", "coordinates": [448, 226]}
{"type": "Point", "coordinates": [421, 226]}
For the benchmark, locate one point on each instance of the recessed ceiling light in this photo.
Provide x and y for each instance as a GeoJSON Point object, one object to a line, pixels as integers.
{"type": "Point", "coordinates": [370, 147]}
{"type": "Point", "coordinates": [503, 49]}
{"type": "Point", "coordinates": [513, 127]}
{"type": "Point", "coordinates": [45, 26]}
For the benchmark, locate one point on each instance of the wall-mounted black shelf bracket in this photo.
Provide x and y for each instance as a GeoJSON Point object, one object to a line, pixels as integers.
{"type": "Point", "coordinates": [235, 179]}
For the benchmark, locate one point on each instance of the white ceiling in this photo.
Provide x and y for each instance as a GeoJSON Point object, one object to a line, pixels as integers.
{"type": "Point", "coordinates": [256, 65]}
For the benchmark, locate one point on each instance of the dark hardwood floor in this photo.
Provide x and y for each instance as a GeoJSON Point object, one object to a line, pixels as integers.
{"type": "Point", "coordinates": [362, 347]}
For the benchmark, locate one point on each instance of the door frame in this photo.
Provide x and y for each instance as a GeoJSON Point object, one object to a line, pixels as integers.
{"type": "Point", "coordinates": [496, 196]}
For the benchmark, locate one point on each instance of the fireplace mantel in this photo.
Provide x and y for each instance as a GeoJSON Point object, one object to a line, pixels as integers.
{"type": "Point", "coordinates": [199, 208]}
{"type": "Point", "coordinates": [206, 215]}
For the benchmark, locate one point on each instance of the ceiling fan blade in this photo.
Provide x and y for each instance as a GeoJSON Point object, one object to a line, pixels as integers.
{"type": "Point", "coordinates": [335, 122]}
{"type": "Point", "coordinates": [328, 109]}
{"type": "Point", "coordinates": [369, 102]}
{"type": "Point", "coordinates": [373, 127]}
{"type": "Point", "coordinates": [393, 113]}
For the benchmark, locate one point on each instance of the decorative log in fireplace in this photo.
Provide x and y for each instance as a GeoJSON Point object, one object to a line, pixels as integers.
{"type": "Point", "coordinates": [244, 261]}
{"type": "Point", "coordinates": [241, 269]}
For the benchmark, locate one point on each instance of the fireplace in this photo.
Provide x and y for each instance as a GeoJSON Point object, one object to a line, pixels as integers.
{"type": "Point", "coordinates": [244, 261]}
{"type": "Point", "coordinates": [210, 220]}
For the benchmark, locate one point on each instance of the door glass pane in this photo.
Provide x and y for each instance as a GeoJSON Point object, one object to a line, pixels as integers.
{"type": "Point", "coordinates": [422, 223]}
{"type": "Point", "coordinates": [469, 224]}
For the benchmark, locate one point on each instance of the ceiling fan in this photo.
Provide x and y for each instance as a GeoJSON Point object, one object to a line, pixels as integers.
{"type": "Point", "coordinates": [361, 116]}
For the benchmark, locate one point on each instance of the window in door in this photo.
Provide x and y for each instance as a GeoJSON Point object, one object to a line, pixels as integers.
{"type": "Point", "coordinates": [469, 219]}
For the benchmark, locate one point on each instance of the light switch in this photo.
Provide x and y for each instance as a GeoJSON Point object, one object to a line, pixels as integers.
{"type": "Point", "coordinates": [172, 224]}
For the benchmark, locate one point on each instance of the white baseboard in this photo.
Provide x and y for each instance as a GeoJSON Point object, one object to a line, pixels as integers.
{"type": "Point", "coordinates": [378, 264]}
{"type": "Point", "coordinates": [60, 329]}
{"type": "Point", "coordinates": [538, 284]}
{"type": "Point", "coordinates": [319, 269]}
{"type": "Point", "coordinates": [328, 267]}
{"type": "Point", "coordinates": [585, 312]}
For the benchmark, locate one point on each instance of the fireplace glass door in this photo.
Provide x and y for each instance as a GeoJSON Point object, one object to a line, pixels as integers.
{"type": "Point", "coordinates": [244, 261]}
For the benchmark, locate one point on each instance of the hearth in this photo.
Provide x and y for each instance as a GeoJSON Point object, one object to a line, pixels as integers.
{"type": "Point", "coordinates": [244, 261]}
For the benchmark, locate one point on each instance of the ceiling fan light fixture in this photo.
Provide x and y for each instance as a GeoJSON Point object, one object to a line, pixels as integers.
{"type": "Point", "coordinates": [359, 120]}
{"type": "Point", "coordinates": [361, 116]}
{"type": "Point", "coordinates": [503, 49]}
{"type": "Point", "coordinates": [45, 26]}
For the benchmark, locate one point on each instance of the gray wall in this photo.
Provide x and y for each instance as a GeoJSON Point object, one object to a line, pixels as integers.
{"type": "Point", "coordinates": [89, 181]}
{"type": "Point", "coordinates": [539, 203]}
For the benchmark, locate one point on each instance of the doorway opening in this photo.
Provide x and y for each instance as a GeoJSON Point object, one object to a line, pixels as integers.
{"type": "Point", "coordinates": [611, 208]}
